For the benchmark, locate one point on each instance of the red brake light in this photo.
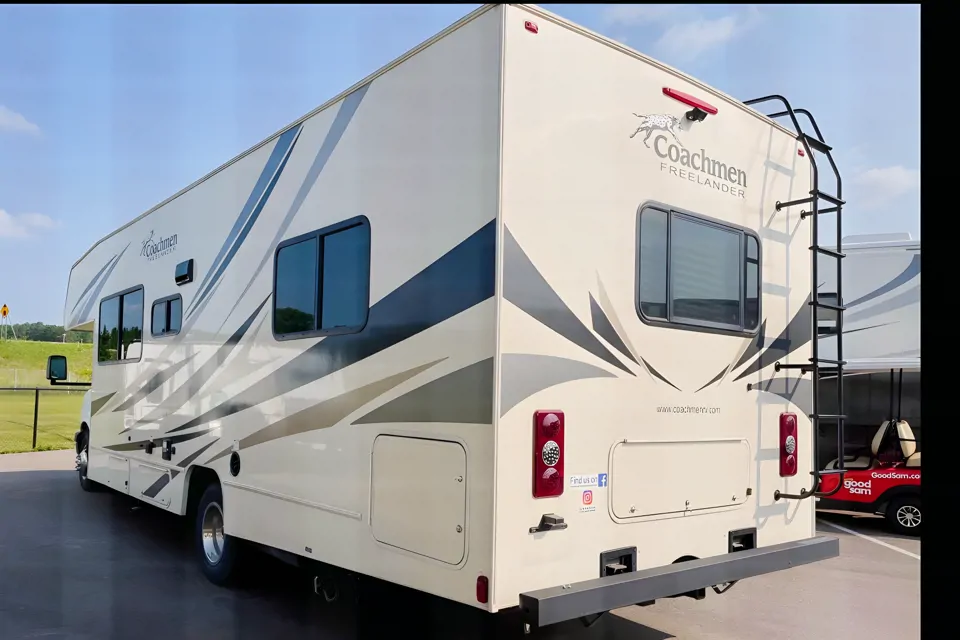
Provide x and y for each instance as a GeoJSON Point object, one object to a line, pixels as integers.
{"type": "Point", "coordinates": [788, 444]}
{"type": "Point", "coordinates": [547, 454]}
{"type": "Point", "coordinates": [483, 589]}
{"type": "Point", "coordinates": [690, 101]}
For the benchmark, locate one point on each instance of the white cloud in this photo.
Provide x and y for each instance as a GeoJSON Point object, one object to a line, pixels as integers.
{"type": "Point", "coordinates": [10, 120]}
{"type": "Point", "coordinates": [878, 186]}
{"type": "Point", "coordinates": [685, 34]}
{"type": "Point", "coordinates": [24, 224]}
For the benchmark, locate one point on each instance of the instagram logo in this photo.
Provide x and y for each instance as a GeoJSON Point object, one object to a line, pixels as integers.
{"type": "Point", "coordinates": [588, 497]}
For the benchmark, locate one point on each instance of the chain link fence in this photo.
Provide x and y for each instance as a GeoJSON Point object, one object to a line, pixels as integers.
{"type": "Point", "coordinates": [35, 416]}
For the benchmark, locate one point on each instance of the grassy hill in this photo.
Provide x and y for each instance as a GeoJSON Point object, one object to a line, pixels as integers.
{"type": "Point", "coordinates": [23, 364]}
{"type": "Point", "coordinates": [29, 359]}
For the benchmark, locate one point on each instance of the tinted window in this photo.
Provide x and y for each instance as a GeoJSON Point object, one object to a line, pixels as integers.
{"type": "Point", "coordinates": [323, 282]}
{"type": "Point", "coordinates": [697, 272]}
{"type": "Point", "coordinates": [109, 338]}
{"type": "Point", "coordinates": [166, 316]}
{"type": "Point", "coordinates": [175, 315]}
{"type": "Point", "coordinates": [751, 305]}
{"type": "Point", "coordinates": [296, 288]}
{"type": "Point", "coordinates": [159, 320]}
{"type": "Point", "coordinates": [131, 316]}
{"type": "Point", "coordinates": [346, 273]}
{"type": "Point", "coordinates": [121, 327]}
{"type": "Point", "coordinates": [705, 272]}
{"type": "Point", "coordinates": [653, 263]}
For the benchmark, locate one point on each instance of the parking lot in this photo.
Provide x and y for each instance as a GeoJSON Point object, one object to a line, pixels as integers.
{"type": "Point", "coordinates": [97, 566]}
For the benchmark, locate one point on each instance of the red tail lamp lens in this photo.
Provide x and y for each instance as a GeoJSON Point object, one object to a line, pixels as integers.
{"type": "Point", "coordinates": [483, 589]}
{"type": "Point", "coordinates": [788, 444]}
{"type": "Point", "coordinates": [548, 457]}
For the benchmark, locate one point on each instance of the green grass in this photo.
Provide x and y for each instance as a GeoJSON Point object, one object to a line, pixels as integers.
{"type": "Point", "coordinates": [58, 415]}
{"type": "Point", "coordinates": [30, 359]}
{"type": "Point", "coordinates": [58, 412]}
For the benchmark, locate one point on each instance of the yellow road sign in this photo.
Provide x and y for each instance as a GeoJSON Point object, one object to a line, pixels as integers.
{"type": "Point", "coordinates": [4, 310]}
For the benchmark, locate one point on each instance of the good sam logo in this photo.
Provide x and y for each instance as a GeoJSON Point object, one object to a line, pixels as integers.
{"type": "Point", "coordinates": [696, 166]}
{"type": "Point", "coordinates": [152, 249]}
{"type": "Point", "coordinates": [858, 487]}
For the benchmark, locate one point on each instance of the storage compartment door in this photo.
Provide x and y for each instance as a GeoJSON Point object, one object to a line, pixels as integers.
{"type": "Point", "coordinates": [419, 496]}
{"type": "Point", "coordinates": [654, 478]}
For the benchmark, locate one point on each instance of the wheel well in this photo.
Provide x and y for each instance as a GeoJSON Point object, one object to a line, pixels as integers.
{"type": "Point", "coordinates": [200, 479]}
{"type": "Point", "coordinates": [896, 492]}
{"type": "Point", "coordinates": [76, 445]}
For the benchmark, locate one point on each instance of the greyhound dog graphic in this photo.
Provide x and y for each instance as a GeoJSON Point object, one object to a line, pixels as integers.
{"type": "Point", "coordinates": [652, 123]}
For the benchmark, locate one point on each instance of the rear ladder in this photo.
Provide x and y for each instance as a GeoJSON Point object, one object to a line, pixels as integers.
{"type": "Point", "coordinates": [818, 366]}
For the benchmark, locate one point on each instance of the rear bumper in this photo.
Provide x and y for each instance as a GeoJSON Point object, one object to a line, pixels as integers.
{"type": "Point", "coordinates": [557, 604]}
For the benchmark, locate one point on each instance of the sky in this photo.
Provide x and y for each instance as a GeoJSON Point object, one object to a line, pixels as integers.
{"type": "Point", "coordinates": [105, 111]}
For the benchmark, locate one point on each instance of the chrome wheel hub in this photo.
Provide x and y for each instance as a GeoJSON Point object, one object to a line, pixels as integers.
{"type": "Point", "coordinates": [212, 531]}
{"type": "Point", "coordinates": [908, 516]}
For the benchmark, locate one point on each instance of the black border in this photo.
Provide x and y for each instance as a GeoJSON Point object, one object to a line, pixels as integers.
{"type": "Point", "coordinates": [694, 325]}
{"type": "Point", "coordinates": [356, 221]}
{"type": "Point", "coordinates": [166, 334]}
{"type": "Point", "coordinates": [119, 294]}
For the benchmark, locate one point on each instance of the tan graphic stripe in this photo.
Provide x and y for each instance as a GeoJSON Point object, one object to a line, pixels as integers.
{"type": "Point", "coordinates": [96, 405]}
{"type": "Point", "coordinates": [327, 413]}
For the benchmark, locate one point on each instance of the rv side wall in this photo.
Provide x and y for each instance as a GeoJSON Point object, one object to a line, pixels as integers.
{"type": "Point", "coordinates": [368, 444]}
{"type": "Point", "coordinates": [666, 447]}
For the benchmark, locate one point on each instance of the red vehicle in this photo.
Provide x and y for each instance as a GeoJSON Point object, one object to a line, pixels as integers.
{"type": "Point", "coordinates": [883, 479]}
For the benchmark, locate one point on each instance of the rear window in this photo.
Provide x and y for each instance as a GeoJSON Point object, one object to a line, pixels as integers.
{"type": "Point", "coordinates": [696, 272]}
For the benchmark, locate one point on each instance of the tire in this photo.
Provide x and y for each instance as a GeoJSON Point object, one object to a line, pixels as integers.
{"type": "Point", "coordinates": [904, 515]}
{"type": "Point", "coordinates": [217, 552]}
{"type": "Point", "coordinates": [83, 458]}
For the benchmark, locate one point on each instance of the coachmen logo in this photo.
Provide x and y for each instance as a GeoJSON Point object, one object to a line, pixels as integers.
{"type": "Point", "coordinates": [696, 166]}
{"type": "Point", "coordinates": [152, 250]}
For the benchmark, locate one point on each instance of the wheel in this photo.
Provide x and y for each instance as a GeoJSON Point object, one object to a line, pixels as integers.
{"type": "Point", "coordinates": [904, 515]}
{"type": "Point", "coordinates": [217, 552]}
{"type": "Point", "coordinates": [83, 459]}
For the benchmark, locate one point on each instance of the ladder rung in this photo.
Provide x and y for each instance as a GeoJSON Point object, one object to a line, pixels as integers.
{"type": "Point", "coordinates": [828, 210]}
{"type": "Point", "coordinates": [828, 252]}
{"type": "Point", "coordinates": [833, 472]}
{"type": "Point", "coordinates": [825, 361]}
{"type": "Point", "coordinates": [827, 416]}
{"type": "Point", "coordinates": [816, 143]}
{"type": "Point", "coordinates": [792, 203]}
{"type": "Point", "coordinates": [827, 305]}
{"type": "Point", "coordinates": [829, 198]}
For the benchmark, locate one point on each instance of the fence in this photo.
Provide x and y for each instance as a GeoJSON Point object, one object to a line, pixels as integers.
{"type": "Point", "coordinates": [29, 378]}
{"type": "Point", "coordinates": [38, 418]}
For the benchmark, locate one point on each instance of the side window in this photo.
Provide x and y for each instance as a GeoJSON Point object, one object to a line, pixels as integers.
{"type": "Point", "coordinates": [120, 337]}
{"type": "Point", "coordinates": [322, 282]}
{"type": "Point", "coordinates": [166, 316]}
{"type": "Point", "coordinates": [696, 272]}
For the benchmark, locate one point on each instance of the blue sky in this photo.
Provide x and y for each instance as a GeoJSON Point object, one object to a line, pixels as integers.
{"type": "Point", "coordinates": [106, 111]}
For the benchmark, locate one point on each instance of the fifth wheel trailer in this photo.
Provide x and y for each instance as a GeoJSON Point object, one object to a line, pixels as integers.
{"type": "Point", "coordinates": [499, 323]}
{"type": "Point", "coordinates": [881, 335]}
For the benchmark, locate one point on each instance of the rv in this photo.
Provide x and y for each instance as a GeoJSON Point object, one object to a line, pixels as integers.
{"type": "Point", "coordinates": [497, 323]}
{"type": "Point", "coordinates": [881, 386]}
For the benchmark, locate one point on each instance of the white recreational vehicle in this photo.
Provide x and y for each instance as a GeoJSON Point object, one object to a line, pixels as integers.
{"type": "Point", "coordinates": [498, 323]}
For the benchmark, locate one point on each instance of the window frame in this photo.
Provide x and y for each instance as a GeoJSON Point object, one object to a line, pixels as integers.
{"type": "Point", "coordinates": [690, 324]}
{"type": "Point", "coordinates": [166, 301]}
{"type": "Point", "coordinates": [120, 295]}
{"type": "Point", "coordinates": [319, 235]}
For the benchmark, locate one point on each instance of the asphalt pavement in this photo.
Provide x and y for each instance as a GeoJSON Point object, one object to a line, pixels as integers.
{"type": "Point", "coordinates": [101, 566]}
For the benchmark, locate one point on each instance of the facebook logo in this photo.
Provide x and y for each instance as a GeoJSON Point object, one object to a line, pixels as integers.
{"type": "Point", "coordinates": [602, 480]}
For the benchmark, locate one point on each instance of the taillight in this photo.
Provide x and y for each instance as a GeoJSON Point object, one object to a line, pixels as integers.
{"type": "Point", "coordinates": [788, 444]}
{"type": "Point", "coordinates": [547, 454]}
{"type": "Point", "coordinates": [483, 589]}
